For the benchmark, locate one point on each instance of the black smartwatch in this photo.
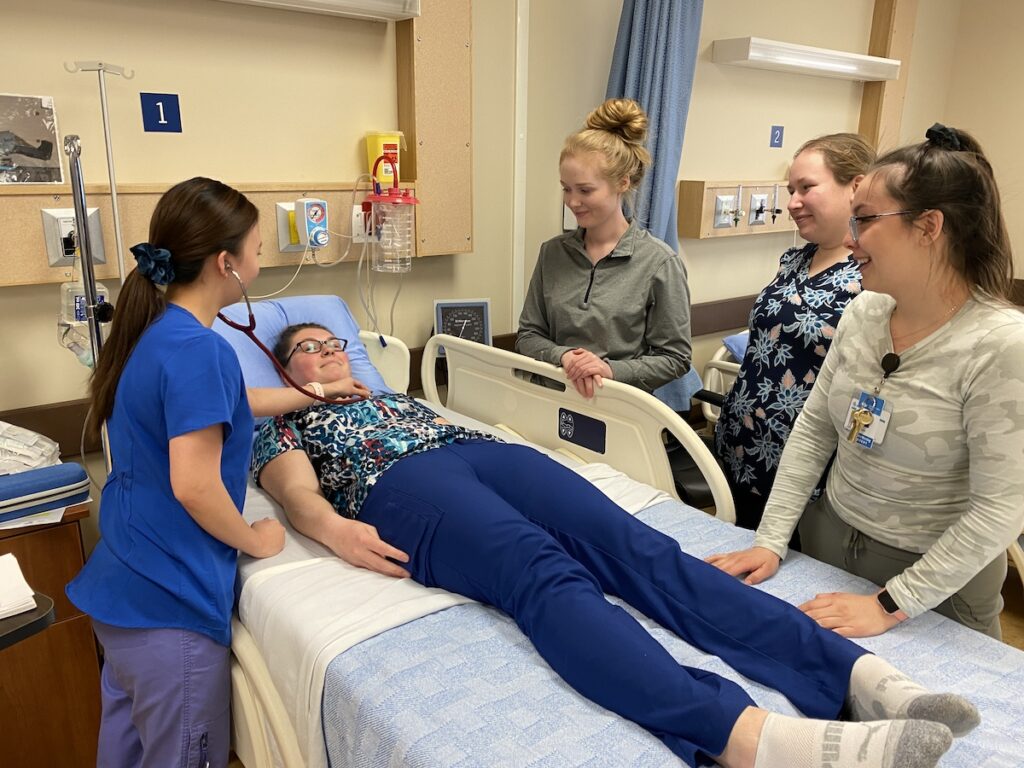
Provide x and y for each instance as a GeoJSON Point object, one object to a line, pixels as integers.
{"type": "Point", "coordinates": [888, 604]}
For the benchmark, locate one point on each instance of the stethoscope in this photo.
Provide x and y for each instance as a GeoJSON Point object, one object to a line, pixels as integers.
{"type": "Point", "coordinates": [250, 331]}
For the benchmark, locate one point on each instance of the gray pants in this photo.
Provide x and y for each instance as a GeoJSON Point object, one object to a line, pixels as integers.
{"type": "Point", "coordinates": [825, 537]}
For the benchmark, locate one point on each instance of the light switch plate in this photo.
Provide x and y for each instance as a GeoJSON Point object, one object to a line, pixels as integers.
{"type": "Point", "coordinates": [724, 205]}
{"type": "Point", "coordinates": [758, 209]}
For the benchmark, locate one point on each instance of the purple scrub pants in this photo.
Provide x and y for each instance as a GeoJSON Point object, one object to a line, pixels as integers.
{"type": "Point", "coordinates": [166, 699]}
{"type": "Point", "coordinates": [507, 526]}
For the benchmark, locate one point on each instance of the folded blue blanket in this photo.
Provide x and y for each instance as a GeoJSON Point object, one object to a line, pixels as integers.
{"type": "Point", "coordinates": [39, 490]}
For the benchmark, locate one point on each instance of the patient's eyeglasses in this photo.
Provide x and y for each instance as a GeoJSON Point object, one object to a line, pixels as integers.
{"type": "Point", "coordinates": [856, 221]}
{"type": "Point", "coordinates": [313, 346]}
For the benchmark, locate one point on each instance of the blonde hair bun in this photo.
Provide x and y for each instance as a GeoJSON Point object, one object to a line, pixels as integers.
{"type": "Point", "coordinates": [623, 117]}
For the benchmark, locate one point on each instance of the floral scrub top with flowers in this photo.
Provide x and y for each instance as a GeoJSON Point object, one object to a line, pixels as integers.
{"type": "Point", "coordinates": [792, 325]}
{"type": "Point", "coordinates": [351, 446]}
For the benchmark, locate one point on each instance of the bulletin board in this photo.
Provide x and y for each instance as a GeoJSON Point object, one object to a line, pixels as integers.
{"type": "Point", "coordinates": [435, 112]}
{"type": "Point", "coordinates": [29, 153]}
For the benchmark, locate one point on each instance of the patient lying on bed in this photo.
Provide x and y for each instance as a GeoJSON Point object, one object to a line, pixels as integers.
{"type": "Point", "coordinates": [389, 486]}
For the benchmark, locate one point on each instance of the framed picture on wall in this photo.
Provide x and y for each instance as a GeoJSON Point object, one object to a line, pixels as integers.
{"type": "Point", "coordinates": [29, 152]}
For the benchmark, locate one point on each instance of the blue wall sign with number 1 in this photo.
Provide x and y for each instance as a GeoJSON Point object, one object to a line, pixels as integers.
{"type": "Point", "coordinates": [776, 137]}
{"type": "Point", "coordinates": [160, 112]}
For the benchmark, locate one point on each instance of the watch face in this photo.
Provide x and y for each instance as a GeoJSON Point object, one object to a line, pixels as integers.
{"type": "Point", "coordinates": [465, 322]}
{"type": "Point", "coordinates": [887, 603]}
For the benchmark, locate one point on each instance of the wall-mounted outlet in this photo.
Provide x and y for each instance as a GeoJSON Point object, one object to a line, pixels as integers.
{"type": "Point", "coordinates": [287, 234]}
{"type": "Point", "coordinates": [724, 206]}
{"type": "Point", "coordinates": [61, 237]}
{"type": "Point", "coordinates": [360, 224]}
{"type": "Point", "coordinates": [758, 209]}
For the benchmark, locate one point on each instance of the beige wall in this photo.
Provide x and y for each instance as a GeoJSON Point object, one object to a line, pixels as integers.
{"type": "Point", "coordinates": [247, 75]}
{"type": "Point", "coordinates": [732, 110]}
{"type": "Point", "coordinates": [568, 75]}
{"type": "Point", "coordinates": [985, 98]}
{"type": "Point", "coordinates": [248, 79]}
{"type": "Point", "coordinates": [931, 67]}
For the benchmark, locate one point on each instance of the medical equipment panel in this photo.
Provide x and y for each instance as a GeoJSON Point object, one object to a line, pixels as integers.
{"type": "Point", "coordinates": [311, 222]}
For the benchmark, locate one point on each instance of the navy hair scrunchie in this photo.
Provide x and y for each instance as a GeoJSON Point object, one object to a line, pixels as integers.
{"type": "Point", "coordinates": [943, 137]}
{"type": "Point", "coordinates": [154, 263]}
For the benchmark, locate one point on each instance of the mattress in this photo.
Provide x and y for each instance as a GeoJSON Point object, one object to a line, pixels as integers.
{"type": "Point", "coordinates": [464, 687]}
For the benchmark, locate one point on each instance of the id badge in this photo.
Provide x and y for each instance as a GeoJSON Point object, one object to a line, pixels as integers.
{"type": "Point", "coordinates": [874, 433]}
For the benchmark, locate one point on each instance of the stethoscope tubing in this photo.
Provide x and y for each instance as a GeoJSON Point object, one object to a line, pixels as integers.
{"type": "Point", "coordinates": [250, 331]}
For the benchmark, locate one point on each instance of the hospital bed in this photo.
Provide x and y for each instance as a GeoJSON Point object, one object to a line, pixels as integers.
{"type": "Point", "coordinates": [336, 664]}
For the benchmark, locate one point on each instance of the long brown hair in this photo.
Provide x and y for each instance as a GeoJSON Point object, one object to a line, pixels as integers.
{"type": "Point", "coordinates": [194, 220]}
{"type": "Point", "coordinates": [950, 173]}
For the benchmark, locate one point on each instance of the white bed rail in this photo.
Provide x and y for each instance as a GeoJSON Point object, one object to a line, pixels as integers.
{"type": "Point", "coordinates": [483, 384]}
{"type": "Point", "coordinates": [391, 360]}
{"type": "Point", "coordinates": [257, 713]}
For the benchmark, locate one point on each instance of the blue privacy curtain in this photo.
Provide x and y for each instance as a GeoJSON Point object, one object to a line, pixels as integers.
{"type": "Point", "coordinates": [655, 55]}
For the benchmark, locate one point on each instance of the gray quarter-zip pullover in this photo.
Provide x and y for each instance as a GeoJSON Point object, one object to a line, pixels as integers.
{"type": "Point", "coordinates": [632, 308]}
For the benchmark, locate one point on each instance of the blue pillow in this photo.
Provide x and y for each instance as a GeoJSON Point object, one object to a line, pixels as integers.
{"type": "Point", "coordinates": [274, 315]}
{"type": "Point", "coordinates": [737, 344]}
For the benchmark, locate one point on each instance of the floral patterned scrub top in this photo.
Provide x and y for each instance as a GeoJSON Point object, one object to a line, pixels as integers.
{"type": "Point", "coordinates": [791, 328]}
{"type": "Point", "coordinates": [350, 446]}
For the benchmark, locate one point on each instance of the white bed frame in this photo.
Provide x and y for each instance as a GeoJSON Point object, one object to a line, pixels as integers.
{"type": "Point", "coordinates": [483, 384]}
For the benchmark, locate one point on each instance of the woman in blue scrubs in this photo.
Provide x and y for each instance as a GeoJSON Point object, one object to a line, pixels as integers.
{"type": "Point", "coordinates": [159, 585]}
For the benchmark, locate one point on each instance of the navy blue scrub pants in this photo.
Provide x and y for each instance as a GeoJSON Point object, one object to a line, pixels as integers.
{"type": "Point", "coordinates": [505, 525]}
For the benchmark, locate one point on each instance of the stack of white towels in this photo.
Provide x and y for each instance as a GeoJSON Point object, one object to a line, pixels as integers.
{"type": "Point", "coordinates": [16, 595]}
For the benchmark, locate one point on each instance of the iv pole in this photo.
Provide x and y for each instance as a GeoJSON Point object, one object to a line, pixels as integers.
{"type": "Point", "coordinates": [73, 149]}
{"type": "Point", "coordinates": [99, 67]}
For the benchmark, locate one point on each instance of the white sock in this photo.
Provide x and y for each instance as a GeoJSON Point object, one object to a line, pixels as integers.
{"type": "Point", "coordinates": [879, 691]}
{"type": "Point", "coordinates": [795, 742]}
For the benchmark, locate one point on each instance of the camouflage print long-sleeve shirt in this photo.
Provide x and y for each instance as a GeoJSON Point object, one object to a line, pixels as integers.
{"type": "Point", "coordinates": [947, 480]}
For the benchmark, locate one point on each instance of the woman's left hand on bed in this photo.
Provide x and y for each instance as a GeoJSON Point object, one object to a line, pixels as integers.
{"type": "Point", "coordinates": [849, 615]}
{"type": "Point", "coordinates": [359, 544]}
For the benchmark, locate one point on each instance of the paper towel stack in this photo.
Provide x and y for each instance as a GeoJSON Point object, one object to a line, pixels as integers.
{"type": "Point", "coordinates": [16, 595]}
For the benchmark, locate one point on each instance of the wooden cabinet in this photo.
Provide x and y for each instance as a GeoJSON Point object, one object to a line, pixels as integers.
{"type": "Point", "coordinates": [50, 683]}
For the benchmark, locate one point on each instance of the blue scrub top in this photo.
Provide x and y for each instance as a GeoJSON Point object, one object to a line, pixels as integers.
{"type": "Point", "coordinates": [154, 567]}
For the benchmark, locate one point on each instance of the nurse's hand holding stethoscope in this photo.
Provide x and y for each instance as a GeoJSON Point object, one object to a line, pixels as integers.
{"type": "Point", "coordinates": [344, 388]}
{"type": "Point", "coordinates": [585, 370]}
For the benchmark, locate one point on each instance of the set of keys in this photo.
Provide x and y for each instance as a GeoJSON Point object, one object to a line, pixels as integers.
{"type": "Point", "coordinates": [865, 407]}
{"type": "Point", "coordinates": [859, 419]}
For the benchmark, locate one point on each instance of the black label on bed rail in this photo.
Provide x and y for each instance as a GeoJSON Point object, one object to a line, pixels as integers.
{"type": "Point", "coordinates": [582, 430]}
